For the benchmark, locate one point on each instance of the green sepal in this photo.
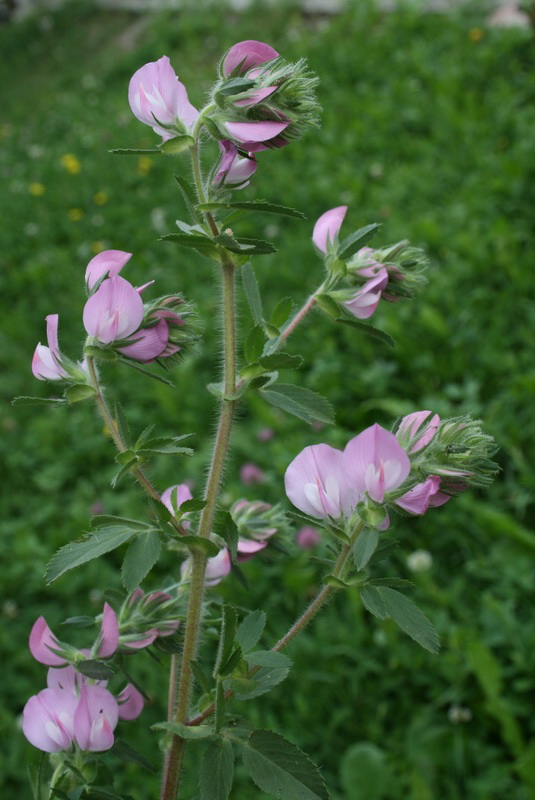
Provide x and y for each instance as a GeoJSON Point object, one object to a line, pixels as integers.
{"type": "Point", "coordinates": [356, 240]}
{"type": "Point", "coordinates": [104, 353]}
{"type": "Point", "coordinates": [95, 669]}
{"type": "Point", "coordinates": [74, 394]}
{"type": "Point", "coordinates": [177, 145]}
{"type": "Point", "coordinates": [200, 543]}
{"type": "Point", "coordinates": [327, 304]}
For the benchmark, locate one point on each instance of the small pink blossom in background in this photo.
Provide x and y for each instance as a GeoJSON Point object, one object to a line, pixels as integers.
{"type": "Point", "coordinates": [107, 263]}
{"type": "Point", "coordinates": [114, 311]}
{"type": "Point", "coordinates": [157, 96]}
{"type": "Point", "coordinates": [327, 227]}
{"type": "Point", "coordinates": [47, 362]}
{"type": "Point", "coordinates": [251, 474]}
{"type": "Point", "coordinates": [417, 430]}
{"type": "Point", "coordinates": [234, 169]}
{"type": "Point", "coordinates": [265, 434]}
{"type": "Point", "coordinates": [96, 508]}
{"type": "Point", "coordinates": [307, 537]}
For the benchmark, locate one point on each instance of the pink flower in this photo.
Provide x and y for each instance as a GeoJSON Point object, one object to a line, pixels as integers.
{"type": "Point", "coordinates": [233, 170]}
{"type": "Point", "coordinates": [43, 642]}
{"type": "Point", "coordinates": [48, 720]}
{"type": "Point", "coordinates": [157, 96]}
{"type": "Point", "coordinates": [378, 462]}
{"type": "Point", "coordinates": [327, 226]}
{"type": "Point", "coordinates": [217, 568]}
{"type": "Point", "coordinates": [328, 483]}
{"type": "Point", "coordinates": [174, 496]}
{"type": "Point", "coordinates": [318, 482]}
{"type": "Point", "coordinates": [47, 361]}
{"type": "Point", "coordinates": [307, 537]}
{"type": "Point", "coordinates": [106, 264]}
{"type": "Point", "coordinates": [251, 474]}
{"type": "Point", "coordinates": [95, 719]}
{"type": "Point", "coordinates": [265, 434]}
{"type": "Point", "coordinates": [416, 430]}
{"type": "Point", "coordinates": [245, 55]}
{"type": "Point", "coordinates": [247, 548]}
{"type": "Point", "coordinates": [114, 311]}
{"type": "Point", "coordinates": [148, 343]}
{"type": "Point", "coordinates": [423, 496]}
{"type": "Point", "coordinates": [366, 299]}
{"type": "Point", "coordinates": [254, 133]}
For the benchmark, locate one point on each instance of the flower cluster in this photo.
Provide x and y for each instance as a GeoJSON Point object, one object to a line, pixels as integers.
{"type": "Point", "coordinates": [418, 468]}
{"type": "Point", "coordinates": [116, 319]}
{"type": "Point", "coordinates": [368, 275]}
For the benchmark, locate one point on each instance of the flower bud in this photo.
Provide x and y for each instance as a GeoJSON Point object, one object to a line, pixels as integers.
{"type": "Point", "coordinates": [257, 520]}
{"type": "Point", "coordinates": [416, 430]}
{"type": "Point", "coordinates": [144, 617]}
{"type": "Point", "coordinates": [404, 266]}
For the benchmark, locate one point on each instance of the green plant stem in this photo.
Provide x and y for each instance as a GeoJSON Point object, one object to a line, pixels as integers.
{"type": "Point", "coordinates": [340, 570]}
{"type": "Point", "coordinates": [120, 444]}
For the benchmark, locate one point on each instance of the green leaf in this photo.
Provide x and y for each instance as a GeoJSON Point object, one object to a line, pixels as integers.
{"type": "Point", "coordinates": [102, 793]}
{"type": "Point", "coordinates": [200, 543]}
{"type": "Point", "coordinates": [281, 361]}
{"type": "Point", "coordinates": [393, 583]}
{"type": "Point", "coordinates": [92, 546]}
{"type": "Point", "coordinates": [177, 145]}
{"type": "Point", "coordinates": [384, 602]}
{"type": "Point", "coordinates": [261, 682]}
{"type": "Point", "coordinates": [217, 771]}
{"type": "Point", "coordinates": [364, 547]}
{"type": "Point", "coordinates": [364, 772]}
{"type": "Point", "coordinates": [250, 630]}
{"type": "Point", "coordinates": [79, 622]}
{"type": "Point", "coordinates": [252, 293]}
{"type": "Point", "coordinates": [356, 240]}
{"type": "Point", "coordinates": [229, 625]}
{"type": "Point", "coordinates": [368, 330]}
{"type": "Point", "coordinates": [268, 658]}
{"type": "Point", "coordinates": [229, 666]}
{"type": "Point", "coordinates": [123, 151]}
{"type": "Point", "coordinates": [256, 247]}
{"type": "Point", "coordinates": [74, 394]}
{"type": "Point", "coordinates": [281, 769]}
{"type": "Point", "coordinates": [125, 457]}
{"type": "Point", "coordinates": [281, 312]}
{"type": "Point", "coordinates": [189, 196]}
{"type": "Point", "coordinates": [127, 753]}
{"type": "Point", "coordinates": [165, 445]}
{"type": "Point", "coordinates": [184, 731]}
{"type": "Point", "coordinates": [228, 530]}
{"type": "Point", "coordinates": [104, 353]}
{"type": "Point", "coordinates": [254, 344]}
{"type": "Point", "coordinates": [230, 243]}
{"type": "Point", "coordinates": [38, 401]}
{"type": "Point", "coordinates": [95, 669]}
{"type": "Point", "coordinates": [336, 583]}
{"type": "Point", "coordinates": [202, 244]}
{"type": "Point", "coordinates": [141, 556]}
{"type": "Point", "coordinates": [327, 304]}
{"type": "Point", "coordinates": [195, 504]}
{"type": "Point", "coordinates": [201, 677]}
{"type": "Point", "coordinates": [123, 471]}
{"type": "Point", "coordinates": [155, 377]}
{"type": "Point", "coordinates": [268, 208]}
{"type": "Point", "coordinates": [300, 402]}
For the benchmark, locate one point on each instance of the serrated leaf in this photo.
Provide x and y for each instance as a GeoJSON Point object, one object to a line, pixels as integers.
{"type": "Point", "coordinates": [228, 530]}
{"type": "Point", "coordinates": [229, 625]}
{"type": "Point", "coordinates": [281, 361]}
{"type": "Point", "coordinates": [202, 244]}
{"type": "Point", "coordinates": [250, 630]}
{"type": "Point", "coordinates": [189, 197]}
{"type": "Point", "coordinates": [393, 583]}
{"type": "Point", "coordinates": [79, 622]}
{"type": "Point", "coordinates": [387, 545]}
{"type": "Point", "coordinates": [281, 312]}
{"type": "Point", "coordinates": [268, 658]}
{"type": "Point", "coordinates": [95, 669]}
{"type": "Point", "coordinates": [135, 151]}
{"type": "Point", "coordinates": [368, 330]}
{"type": "Point", "coordinates": [195, 504]}
{"type": "Point", "coordinates": [230, 664]}
{"type": "Point", "coordinates": [300, 402]}
{"type": "Point", "coordinates": [128, 363]}
{"type": "Point", "coordinates": [38, 401]}
{"type": "Point", "coordinates": [364, 547]}
{"type": "Point", "coordinates": [384, 602]}
{"type": "Point", "coordinates": [217, 771]}
{"type": "Point", "coordinates": [356, 240]}
{"type": "Point", "coordinates": [281, 769]}
{"type": "Point", "coordinates": [92, 546]}
{"type": "Point", "coordinates": [125, 457]}
{"type": "Point", "coordinates": [268, 208]}
{"type": "Point", "coordinates": [75, 394]}
{"type": "Point", "coordinates": [140, 558]}
{"type": "Point", "coordinates": [256, 247]}
{"type": "Point", "coordinates": [123, 471]}
{"type": "Point", "coordinates": [262, 682]}
{"type": "Point", "coordinates": [254, 344]}
{"type": "Point", "coordinates": [230, 243]}
{"type": "Point", "coordinates": [252, 293]}
{"type": "Point", "coordinates": [201, 677]}
{"type": "Point", "coordinates": [184, 731]}
{"type": "Point", "coordinates": [127, 753]}
{"type": "Point", "coordinates": [177, 145]}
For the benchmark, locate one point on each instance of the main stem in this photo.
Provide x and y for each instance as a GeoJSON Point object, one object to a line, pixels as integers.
{"type": "Point", "coordinates": [173, 766]}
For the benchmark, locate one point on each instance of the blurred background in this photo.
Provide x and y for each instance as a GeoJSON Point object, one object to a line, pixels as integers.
{"type": "Point", "coordinates": [427, 127]}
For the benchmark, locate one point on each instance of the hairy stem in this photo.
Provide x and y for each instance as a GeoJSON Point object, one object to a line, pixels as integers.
{"type": "Point", "coordinates": [303, 311]}
{"type": "Point", "coordinates": [339, 571]}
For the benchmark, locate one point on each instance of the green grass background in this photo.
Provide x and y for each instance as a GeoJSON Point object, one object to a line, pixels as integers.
{"type": "Point", "coordinates": [428, 128]}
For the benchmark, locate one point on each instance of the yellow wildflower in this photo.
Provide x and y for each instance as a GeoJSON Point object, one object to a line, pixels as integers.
{"type": "Point", "coordinates": [75, 214]}
{"type": "Point", "coordinates": [70, 163]}
{"type": "Point", "coordinates": [144, 165]}
{"type": "Point", "coordinates": [100, 198]}
{"type": "Point", "coordinates": [97, 247]}
{"type": "Point", "coordinates": [37, 189]}
{"type": "Point", "coordinates": [476, 34]}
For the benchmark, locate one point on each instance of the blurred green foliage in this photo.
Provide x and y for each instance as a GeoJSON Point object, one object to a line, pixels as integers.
{"type": "Point", "coordinates": [428, 127]}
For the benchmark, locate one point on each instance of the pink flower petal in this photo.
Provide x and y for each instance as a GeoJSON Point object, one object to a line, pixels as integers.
{"type": "Point", "coordinates": [109, 633]}
{"type": "Point", "coordinates": [317, 483]}
{"type": "Point", "coordinates": [155, 92]}
{"type": "Point", "coordinates": [137, 641]}
{"type": "Point", "coordinates": [413, 426]}
{"type": "Point", "coordinates": [248, 548]}
{"type": "Point", "coordinates": [48, 720]}
{"type": "Point", "coordinates": [253, 98]}
{"type": "Point", "coordinates": [255, 131]}
{"type": "Point", "coordinates": [45, 366]}
{"type": "Point", "coordinates": [174, 496]}
{"type": "Point", "coordinates": [147, 343]}
{"type": "Point", "coordinates": [217, 568]}
{"type": "Point", "coordinates": [108, 262]}
{"type": "Point", "coordinates": [327, 227]}
{"type": "Point", "coordinates": [130, 702]}
{"type": "Point", "coordinates": [95, 719]}
{"type": "Point", "coordinates": [377, 462]}
{"type": "Point", "coordinates": [41, 640]}
{"type": "Point", "coordinates": [418, 499]}
{"type": "Point", "coordinates": [307, 537]}
{"type": "Point", "coordinates": [248, 53]}
{"type": "Point", "coordinates": [114, 311]}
